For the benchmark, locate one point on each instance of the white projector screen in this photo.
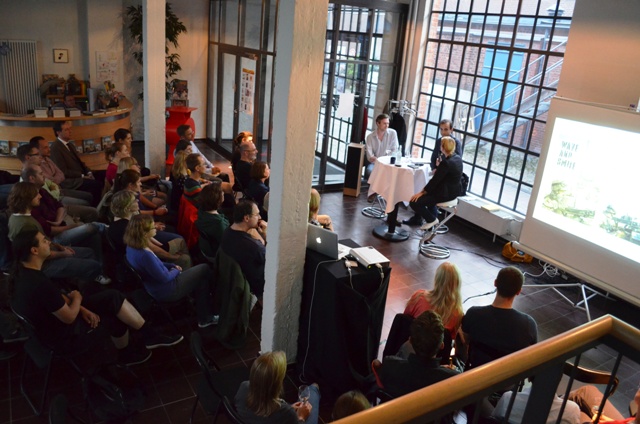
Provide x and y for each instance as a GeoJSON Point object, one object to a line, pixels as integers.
{"type": "Point", "coordinates": [584, 211]}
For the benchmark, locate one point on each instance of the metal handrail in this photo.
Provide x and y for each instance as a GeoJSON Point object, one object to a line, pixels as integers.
{"type": "Point", "coordinates": [448, 395]}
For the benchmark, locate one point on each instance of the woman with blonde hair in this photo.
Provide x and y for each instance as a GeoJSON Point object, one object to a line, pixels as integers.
{"type": "Point", "coordinates": [258, 400]}
{"type": "Point", "coordinates": [179, 174]}
{"type": "Point", "coordinates": [167, 282]}
{"type": "Point", "coordinates": [323, 221]}
{"type": "Point", "coordinates": [444, 299]}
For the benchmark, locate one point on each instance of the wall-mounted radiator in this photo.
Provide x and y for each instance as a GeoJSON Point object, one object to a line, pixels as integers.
{"type": "Point", "coordinates": [19, 76]}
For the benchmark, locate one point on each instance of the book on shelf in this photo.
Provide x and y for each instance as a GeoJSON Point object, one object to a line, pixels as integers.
{"type": "Point", "coordinates": [41, 112]}
{"type": "Point", "coordinates": [79, 148]}
{"type": "Point", "coordinates": [88, 145]}
{"type": "Point", "coordinates": [73, 112]}
{"type": "Point", "coordinates": [4, 147]}
{"type": "Point", "coordinates": [107, 141]}
{"type": "Point", "coordinates": [58, 112]}
{"type": "Point", "coordinates": [94, 112]}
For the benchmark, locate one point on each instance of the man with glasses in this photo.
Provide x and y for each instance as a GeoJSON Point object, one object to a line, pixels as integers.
{"type": "Point", "coordinates": [242, 170]}
{"type": "Point", "coordinates": [244, 241]}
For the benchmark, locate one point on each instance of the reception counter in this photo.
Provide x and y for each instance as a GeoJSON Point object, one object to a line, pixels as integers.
{"type": "Point", "coordinates": [90, 133]}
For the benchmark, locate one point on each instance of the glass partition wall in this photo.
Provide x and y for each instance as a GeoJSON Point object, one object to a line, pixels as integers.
{"type": "Point", "coordinates": [363, 51]}
{"type": "Point", "coordinates": [241, 58]}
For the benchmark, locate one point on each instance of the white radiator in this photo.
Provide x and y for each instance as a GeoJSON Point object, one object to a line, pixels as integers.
{"type": "Point", "coordinates": [19, 75]}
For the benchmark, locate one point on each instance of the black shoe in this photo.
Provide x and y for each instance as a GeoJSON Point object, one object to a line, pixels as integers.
{"type": "Point", "coordinates": [161, 340]}
{"type": "Point", "coordinates": [414, 220]}
{"type": "Point", "coordinates": [132, 355]}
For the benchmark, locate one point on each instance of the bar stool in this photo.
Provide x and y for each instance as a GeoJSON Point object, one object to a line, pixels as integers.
{"type": "Point", "coordinates": [377, 210]}
{"type": "Point", "coordinates": [427, 246]}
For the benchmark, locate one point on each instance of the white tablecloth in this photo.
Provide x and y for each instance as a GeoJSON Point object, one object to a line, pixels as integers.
{"type": "Point", "coordinates": [396, 183]}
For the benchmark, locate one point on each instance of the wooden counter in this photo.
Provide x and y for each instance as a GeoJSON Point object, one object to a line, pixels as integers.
{"type": "Point", "coordinates": [15, 130]}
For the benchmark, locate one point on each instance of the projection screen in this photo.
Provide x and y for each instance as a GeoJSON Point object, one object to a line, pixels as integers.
{"type": "Point", "coordinates": [584, 210]}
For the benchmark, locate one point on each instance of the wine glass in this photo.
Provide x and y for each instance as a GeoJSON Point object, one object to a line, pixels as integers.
{"type": "Point", "coordinates": [303, 393]}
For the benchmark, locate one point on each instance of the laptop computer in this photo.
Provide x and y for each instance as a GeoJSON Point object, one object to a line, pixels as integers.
{"type": "Point", "coordinates": [325, 242]}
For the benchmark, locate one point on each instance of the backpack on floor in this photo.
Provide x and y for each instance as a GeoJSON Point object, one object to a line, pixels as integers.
{"type": "Point", "coordinates": [515, 255]}
{"type": "Point", "coordinates": [114, 392]}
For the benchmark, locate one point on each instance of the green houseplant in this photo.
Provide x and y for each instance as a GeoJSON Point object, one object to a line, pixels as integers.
{"type": "Point", "coordinates": [173, 28]}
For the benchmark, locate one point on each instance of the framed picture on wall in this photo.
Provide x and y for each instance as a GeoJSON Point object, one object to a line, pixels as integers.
{"type": "Point", "coordinates": [60, 55]}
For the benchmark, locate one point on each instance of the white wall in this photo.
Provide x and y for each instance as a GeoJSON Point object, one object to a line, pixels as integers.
{"type": "Point", "coordinates": [602, 60]}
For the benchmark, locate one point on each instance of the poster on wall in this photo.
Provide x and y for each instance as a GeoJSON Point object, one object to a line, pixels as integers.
{"type": "Point", "coordinates": [107, 66]}
{"type": "Point", "coordinates": [246, 87]}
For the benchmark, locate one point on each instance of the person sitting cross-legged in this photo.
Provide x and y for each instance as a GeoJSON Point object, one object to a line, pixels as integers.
{"type": "Point", "coordinates": [66, 321]}
{"type": "Point", "coordinates": [167, 282]}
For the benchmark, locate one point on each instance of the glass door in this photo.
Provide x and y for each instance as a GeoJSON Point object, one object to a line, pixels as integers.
{"type": "Point", "coordinates": [238, 93]}
{"type": "Point", "coordinates": [363, 51]}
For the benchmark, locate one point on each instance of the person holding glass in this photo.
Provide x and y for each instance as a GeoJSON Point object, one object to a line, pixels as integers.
{"type": "Point", "coordinates": [258, 400]}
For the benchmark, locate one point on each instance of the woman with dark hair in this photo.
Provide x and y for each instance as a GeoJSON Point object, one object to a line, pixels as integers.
{"type": "Point", "coordinates": [113, 155]}
{"type": "Point", "coordinates": [130, 180]}
{"type": "Point", "coordinates": [258, 400]}
{"type": "Point", "coordinates": [164, 281]}
{"type": "Point", "coordinates": [210, 223]}
{"type": "Point", "coordinates": [151, 186]}
{"type": "Point", "coordinates": [257, 189]}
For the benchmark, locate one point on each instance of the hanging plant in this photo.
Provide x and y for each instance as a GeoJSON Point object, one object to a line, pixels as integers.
{"type": "Point", "coordinates": [173, 28]}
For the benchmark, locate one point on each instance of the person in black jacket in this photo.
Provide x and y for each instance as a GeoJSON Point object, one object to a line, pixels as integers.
{"type": "Point", "coordinates": [443, 187]}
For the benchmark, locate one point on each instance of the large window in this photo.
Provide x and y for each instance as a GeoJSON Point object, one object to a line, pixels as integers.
{"type": "Point", "coordinates": [492, 67]}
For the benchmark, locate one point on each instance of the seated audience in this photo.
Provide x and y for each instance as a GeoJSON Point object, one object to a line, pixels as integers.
{"type": "Point", "coordinates": [169, 247]}
{"type": "Point", "coordinates": [64, 262]}
{"type": "Point", "coordinates": [257, 189]}
{"type": "Point", "coordinates": [150, 184]}
{"type": "Point", "coordinates": [53, 173]}
{"type": "Point", "coordinates": [323, 221]}
{"type": "Point", "coordinates": [164, 281]}
{"type": "Point", "coordinates": [349, 403]}
{"type": "Point", "coordinates": [114, 154]}
{"type": "Point", "coordinates": [179, 175]}
{"type": "Point", "coordinates": [54, 314]}
{"type": "Point", "coordinates": [242, 137]}
{"type": "Point", "coordinates": [496, 330]}
{"type": "Point", "coordinates": [398, 376]}
{"type": "Point", "coordinates": [444, 299]}
{"type": "Point", "coordinates": [242, 170]}
{"type": "Point", "coordinates": [64, 154]}
{"type": "Point", "coordinates": [258, 400]}
{"type": "Point", "coordinates": [210, 224]}
{"type": "Point", "coordinates": [130, 180]}
{"type": "Point", "coordinates": [240, 243]}
{"type": "Point", "coordinates": [31, 154]}
{"type": "Point", "coordinates": [442, 187]}
{"type": "Point", "coordinates": [53, 213]}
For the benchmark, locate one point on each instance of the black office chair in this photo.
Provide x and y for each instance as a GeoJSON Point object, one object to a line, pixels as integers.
{"type": "Point", "coordinates": [140, 296]}
{"type": "Point", "coordinates": [43, 357]}
{"type": "Point", "coordinates": [232, 414]}
{"type": "Point", "coordinates": [214, 384]}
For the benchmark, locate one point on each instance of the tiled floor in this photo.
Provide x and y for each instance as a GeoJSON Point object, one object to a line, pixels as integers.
{"type": "Point", "coordinates": [170, 376]}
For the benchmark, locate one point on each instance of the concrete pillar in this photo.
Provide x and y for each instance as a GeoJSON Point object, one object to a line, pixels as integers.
{"type": "Point", "coordinates": [302, 25]}
{"type": "Point", "coordinates": [153, 28]}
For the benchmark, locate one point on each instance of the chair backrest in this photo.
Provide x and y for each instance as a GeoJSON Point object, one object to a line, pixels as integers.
{"type": "Point", "coordinates": [132, 273]}
{"type": "Point", "coordinates": [187, 216]}
{"type": "Point", "coordinates": [398, 334]}
{"type": "Point", "coordinates": [590, 376]}
{"type": "Point", "coordinates": [231, 411]}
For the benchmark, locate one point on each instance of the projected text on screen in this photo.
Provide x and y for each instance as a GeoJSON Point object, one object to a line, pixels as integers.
{"type": "Point", "coordinates": [590, 184]}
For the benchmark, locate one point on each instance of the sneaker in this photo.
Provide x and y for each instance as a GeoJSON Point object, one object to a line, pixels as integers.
{"type": "Point", "coordinates": [212, 320]}
{"type": "Point", "coordinates": [161, 340]}
{"type": "Point", "coordinates": [254, 300]}
{"type": "Point", "coordinates": [103, 279]}
{"type": "Point", "coordinates": [414, 220]}
{"type": "Point", "coordinates": [428, 225]}
{"type": "Point", "coordinates": [132, 355]}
